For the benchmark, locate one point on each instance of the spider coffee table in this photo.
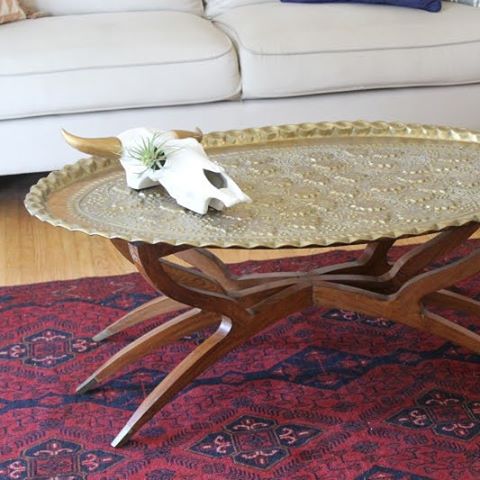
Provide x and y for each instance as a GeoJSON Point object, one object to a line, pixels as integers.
{"type": "Point", "coordinates": [311, 185]}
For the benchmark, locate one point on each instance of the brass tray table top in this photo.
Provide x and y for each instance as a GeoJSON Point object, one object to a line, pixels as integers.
{"type": "Point", "coordinates": [311, 185]}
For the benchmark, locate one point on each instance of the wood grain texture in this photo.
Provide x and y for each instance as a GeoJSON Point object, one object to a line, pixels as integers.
{"type": "Point", "coordinates": [155, 307]}
{"type": "Point", "coordinates": [174, 329]}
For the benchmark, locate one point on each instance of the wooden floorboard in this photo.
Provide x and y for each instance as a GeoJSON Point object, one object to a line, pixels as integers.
{"type": "Point", "coordinates": [32, 251]}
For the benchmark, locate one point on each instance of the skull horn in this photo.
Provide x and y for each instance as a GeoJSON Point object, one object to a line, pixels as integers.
{"type": "Point", "coordinates": [197, 135]}
{"type": "Point", "coordinates": [109, 147]}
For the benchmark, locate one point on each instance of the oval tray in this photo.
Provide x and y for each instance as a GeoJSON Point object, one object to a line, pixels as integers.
{"type": "Point", "coordinates": [311, 185]}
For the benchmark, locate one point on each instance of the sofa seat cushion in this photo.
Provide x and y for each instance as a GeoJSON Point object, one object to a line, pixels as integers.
{"type": "Point", "coordinates": [300, 49]}
{"type": "Point", "coordinates": [116, 60]}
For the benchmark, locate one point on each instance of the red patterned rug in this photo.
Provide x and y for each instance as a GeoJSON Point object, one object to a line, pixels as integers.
{"type": "Point", "coordinates": [322, 395]}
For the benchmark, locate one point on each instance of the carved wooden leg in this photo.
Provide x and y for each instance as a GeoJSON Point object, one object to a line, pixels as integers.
{"type": "Point", "coordinates": [122, 247]}
{"type": "Point", "coordinates": [406, 305]}
{"type": "Point", "coordinates": [245, 313]}
{"type": "Point", "coordinates": [448, 330]}
{"type": "Point", "coordinates": [406, 267]}
{"type": "Point", "coordinates": [185, 324]}
{"type": "Point", "coordinates": [372, 261]}
{"type": "Point", "coordinates": [448, 299]}
{"type": "Point", "coordinates": [153, 308]}
{"type": "Point", "coordinates": [397, 308]}
{"type": "Point", "coordinates": [230, 334]}
{"type": "Point", "coordinates": [208, 263]}
{"type": "Point", "coordinates": [417, 259]}
{"type": "Point", "coordinates": [417, 288]}
{"type": "Point", "coordinates": [212, 349]}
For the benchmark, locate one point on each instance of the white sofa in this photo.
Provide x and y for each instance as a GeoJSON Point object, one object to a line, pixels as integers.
{"type": "Point", "coordinates": [97, 68]}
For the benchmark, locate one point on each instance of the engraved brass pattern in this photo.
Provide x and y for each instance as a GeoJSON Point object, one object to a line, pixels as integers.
{"type": "Point", "coordinates": [311, 185]}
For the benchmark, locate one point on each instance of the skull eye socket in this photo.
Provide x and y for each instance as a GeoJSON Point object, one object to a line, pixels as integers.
{"type": "Point", "coordinates": [216, 179]}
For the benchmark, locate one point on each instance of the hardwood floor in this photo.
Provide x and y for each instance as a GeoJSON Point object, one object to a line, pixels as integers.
{"type": "Point", "coordinates": [32, 251]}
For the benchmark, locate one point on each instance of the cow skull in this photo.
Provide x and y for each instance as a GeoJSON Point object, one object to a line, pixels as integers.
{"type": "Point", "coordinates": [187, 174]}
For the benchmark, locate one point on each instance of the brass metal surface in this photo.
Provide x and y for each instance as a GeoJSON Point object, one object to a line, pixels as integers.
{"type": "Point", "coordinates": [311, 185]}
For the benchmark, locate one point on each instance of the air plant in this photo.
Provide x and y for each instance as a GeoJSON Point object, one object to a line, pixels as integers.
{"type": "Point", "coordinates": [150, 152]}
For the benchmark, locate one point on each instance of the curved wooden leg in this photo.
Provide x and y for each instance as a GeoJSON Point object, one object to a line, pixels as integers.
{"type": "Point", "coordinates": [406, 305]}
{"type": "Point", "coordinates": [417, 259]}
{"type": "Point", "coordinates": [416, 289]}
{"type": "Point", "coordinates": [211, 265]}
{"type": "Point", "coordinates": [373, 260]}
{"type": "Point", "coordinates": [396, 307]}
{"type": "Point", "coordinates": [440, 326]}
{"type": "Point", "coordinates": [230, 334]}
{"type": "Point", "coordinates": [215, 347]}
{"type": "Point", "coordinates": [174, 329]}
{"type": "Point", "coordinates": [372, 273]}
{"type": "Point", "coordinates": [157, 306]}
{"type": "Point", "coordinates": [448, 299]}
{"type": "Point", "coordinates": [122, 247]}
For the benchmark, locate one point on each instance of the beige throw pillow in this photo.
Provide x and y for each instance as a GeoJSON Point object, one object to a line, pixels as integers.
{"type": "Point", "coordinates": [10, 11]}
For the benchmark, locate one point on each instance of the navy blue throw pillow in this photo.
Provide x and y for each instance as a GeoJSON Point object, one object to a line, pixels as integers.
{"type": "Point", "coordinates": [428, 5]}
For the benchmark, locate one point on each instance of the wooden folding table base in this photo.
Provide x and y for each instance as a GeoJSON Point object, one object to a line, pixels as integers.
{"type": "Point", "coordinates": [242, 306]}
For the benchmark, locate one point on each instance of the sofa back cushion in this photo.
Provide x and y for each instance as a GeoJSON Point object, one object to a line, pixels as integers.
{"type": "Point", "coordinates": [472, 3]}
{"type": "Point", "coordinates": [216, 7]}
{"type": "Point", "coordinates": [71, 7]}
